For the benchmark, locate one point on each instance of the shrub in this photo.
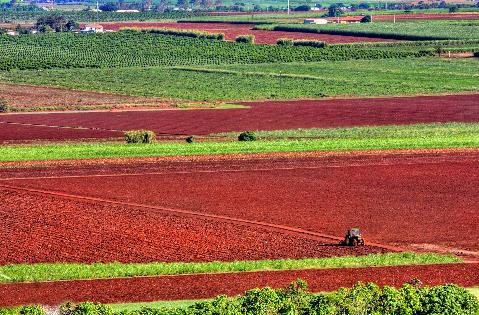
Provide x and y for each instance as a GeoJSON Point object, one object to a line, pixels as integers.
{"type": "Point", "coordinates": [31, 310]}
{"type": "Point", "coordinates": [366, 19]}
{"type": "Point", "coordinates": [476, 54]}
{"type": "Point", "coordinates": [3, 106]}
{"type": "Point", "coordinates": [140, 136]}
{"type": "Point", "coordinates": [284, 41]}
{"type": "Point", "coordinates": [190, 139]}
{"type": "Point", "coordinates": [247, 136]}
{"type": "Point", "coordinates": [310, 43]}
{"type": "Point", "coordinates": [245, 39]}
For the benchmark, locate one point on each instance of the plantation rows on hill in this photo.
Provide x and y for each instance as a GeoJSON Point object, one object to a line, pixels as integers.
{"type": "Point", "coordinates": [417, 30]}
{"type": "Point", "coordinates": [126, 49]}
{"type": "Point", "coordinates": [8, 16]}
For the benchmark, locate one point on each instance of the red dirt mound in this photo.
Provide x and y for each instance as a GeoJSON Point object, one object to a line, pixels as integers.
{"type": "Point", "coordinates": [210, 285]}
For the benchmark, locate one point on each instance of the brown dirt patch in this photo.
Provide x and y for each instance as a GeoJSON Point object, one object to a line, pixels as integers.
{"type": "Point", "coordinates": [29, 97]}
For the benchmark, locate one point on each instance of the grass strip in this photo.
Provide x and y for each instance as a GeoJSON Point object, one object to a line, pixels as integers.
{"type": "Point", "coordinates": [130, 307]}
{"type": "Point", "coordinates": [474, 291]}
{"type": "Point", "coordinates": [71, 271]}
{"type": "Point", "coordinates": [123, 150]}
{"type": "Point", "coordinates": [371, 132]}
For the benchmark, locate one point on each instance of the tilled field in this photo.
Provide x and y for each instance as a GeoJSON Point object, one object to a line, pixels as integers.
{"type": "Point", "coordinates": [269, 115]}
{"type": "Point", "coordinates": [231, 31]}
{"type": "Point", "coordinates": [407, 200]}
{"type": "Point", "coordinates": [43, 228]}
{"type": "Point", "coordinates": [210, 285]}
{"type": "Point", "coordinates": [28, 97]}
{"type": "Point", "coordinates": [26, 133]}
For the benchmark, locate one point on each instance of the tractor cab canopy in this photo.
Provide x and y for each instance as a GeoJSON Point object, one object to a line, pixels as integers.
{"type": "Point", "coordinates": [354, 232]}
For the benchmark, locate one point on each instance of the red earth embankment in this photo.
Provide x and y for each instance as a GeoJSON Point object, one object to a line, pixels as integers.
{"type": "Point", "coordinates": [210, 285]}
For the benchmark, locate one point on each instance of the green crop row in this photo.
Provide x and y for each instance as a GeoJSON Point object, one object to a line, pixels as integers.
{"type": "Point", "coordinates": [128, 49]}
{"type": "Point", "coordinates": [7, 16]}
{"type": "Point", "coordinates": [417, 30]}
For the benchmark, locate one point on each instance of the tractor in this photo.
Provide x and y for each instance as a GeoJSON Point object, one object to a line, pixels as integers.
{"type": "Point", "coordinates": [353, 238]}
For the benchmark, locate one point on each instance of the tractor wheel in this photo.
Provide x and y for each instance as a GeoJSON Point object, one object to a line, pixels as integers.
{"type": "Point", "coordinates": [354, 242]}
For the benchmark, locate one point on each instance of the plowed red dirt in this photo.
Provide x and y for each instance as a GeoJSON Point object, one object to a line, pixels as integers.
{"type": "Point", "coordinates": [273, 115]}
{"type": "Point", "coordinates": [231, 31]}
{"type": "Point", "coordinates": [210, 285]}
{"type": "Point", "coordinates": [397, 199]}
{"type": "Point", "coordinates": [26, 133]}
{"type": "Point", "coordinates": [28, 97]}
{"type": "Point", "coordinates": [41, 228]}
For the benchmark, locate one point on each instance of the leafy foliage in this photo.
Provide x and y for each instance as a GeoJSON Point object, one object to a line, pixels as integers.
{"type": "Point", "coordinates": [4, 105]}
{"type": "Point", "coordinates": [140, 136]}
{"type": "Point", "coordinates": [247, 136]}
{"type": "Point", "coordinates": [245, 39]}
{"type": "Point", "coordinates": [361, 299]}
{"type": "Point", "coordinates": [130, 49]}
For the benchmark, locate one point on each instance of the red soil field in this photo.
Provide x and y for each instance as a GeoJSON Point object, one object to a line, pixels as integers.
{"type": "Point", "coordinates": [43, 228]}
{"type": "Point", "coordinates": [231, 31]}
{"type": "Point", "coordinates": [210, 285]}
{"type": "Point", "coordinates": [26, 133]}
{"type": "Point", "coordinates": [407, 200]}
{"type": "Point", "coordinates": [270, 115]}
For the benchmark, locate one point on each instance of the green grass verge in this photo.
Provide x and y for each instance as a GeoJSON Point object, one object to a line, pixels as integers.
{"type": "Point", "coordinates": [269, 81]}
{"type": "Point", "coordinates": [371, 132]}
{"type": "Point", "coordinates": [129, 307]}
{"type": "Point", "coordinates": [123, 150]}
{"type": "Point", "coordinates": [474, 291]}
{"type": "Point", "coordinates": [68, 271]}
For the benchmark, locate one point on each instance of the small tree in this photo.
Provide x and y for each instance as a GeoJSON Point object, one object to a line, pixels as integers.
{"type": "Point", "coordinates": [140, 136]}
{"type": "Point", "coordinates": [245, 39]}
{"type": "Point", "coordinates": [284, 42]}
{"type": "Point", "coordinates": [335, 10]}
{"type": "Point", "coordinates": [3, 106]}
{"type": "Point", "coordinates": [366, 19]}
{"type": "Point", "coordinates": [247, 136]}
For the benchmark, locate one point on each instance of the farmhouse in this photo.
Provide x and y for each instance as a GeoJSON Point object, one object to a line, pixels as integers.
{"type": "Point", "coordinates": [315, 21]}
{"type": "Point", "coordinates": [92, 28]}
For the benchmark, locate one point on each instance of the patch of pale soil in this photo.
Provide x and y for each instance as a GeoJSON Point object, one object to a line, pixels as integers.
{"type": "Point", "coordinates": [28, 97]}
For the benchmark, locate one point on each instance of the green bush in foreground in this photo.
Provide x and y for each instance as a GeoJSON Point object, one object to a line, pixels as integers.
{"type": "Point", "coordinates": [140, 136]}
{"type": "Point", "coordinates": [247, 136]}
{"type": "Point", "coordinates": [361, 299]}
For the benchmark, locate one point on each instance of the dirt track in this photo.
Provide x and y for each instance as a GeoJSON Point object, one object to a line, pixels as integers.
{"type": "Point", "coordinates": [269, 116]}
{"type": "Point", "coordinates": [210, 285]}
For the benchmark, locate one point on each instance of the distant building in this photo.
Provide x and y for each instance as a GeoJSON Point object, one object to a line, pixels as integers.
{"type": "Point", "coordinates": [127, 11]}
{"type": "Point", "coordinates": [92, 28]}
{"type": "Point", "coordinates": [11, 33]}
{"type": "Point", "coordinates": [315, 21]}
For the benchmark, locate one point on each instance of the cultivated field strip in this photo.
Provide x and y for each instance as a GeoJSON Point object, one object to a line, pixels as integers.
{"type": "Point", "coordinates": [52, 228]}
{"type": "Point", "coordinates": [202, 286]}
{"type": "Point", "coordinates": [271, 115]}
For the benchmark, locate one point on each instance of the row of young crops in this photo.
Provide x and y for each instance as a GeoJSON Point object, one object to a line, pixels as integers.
{"type": "Point", "coordinates": [417, 30]}
{"type": "Point", "coordinates": [7, 16]}
{"type": "Point", "coordinates": [127, 49]}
